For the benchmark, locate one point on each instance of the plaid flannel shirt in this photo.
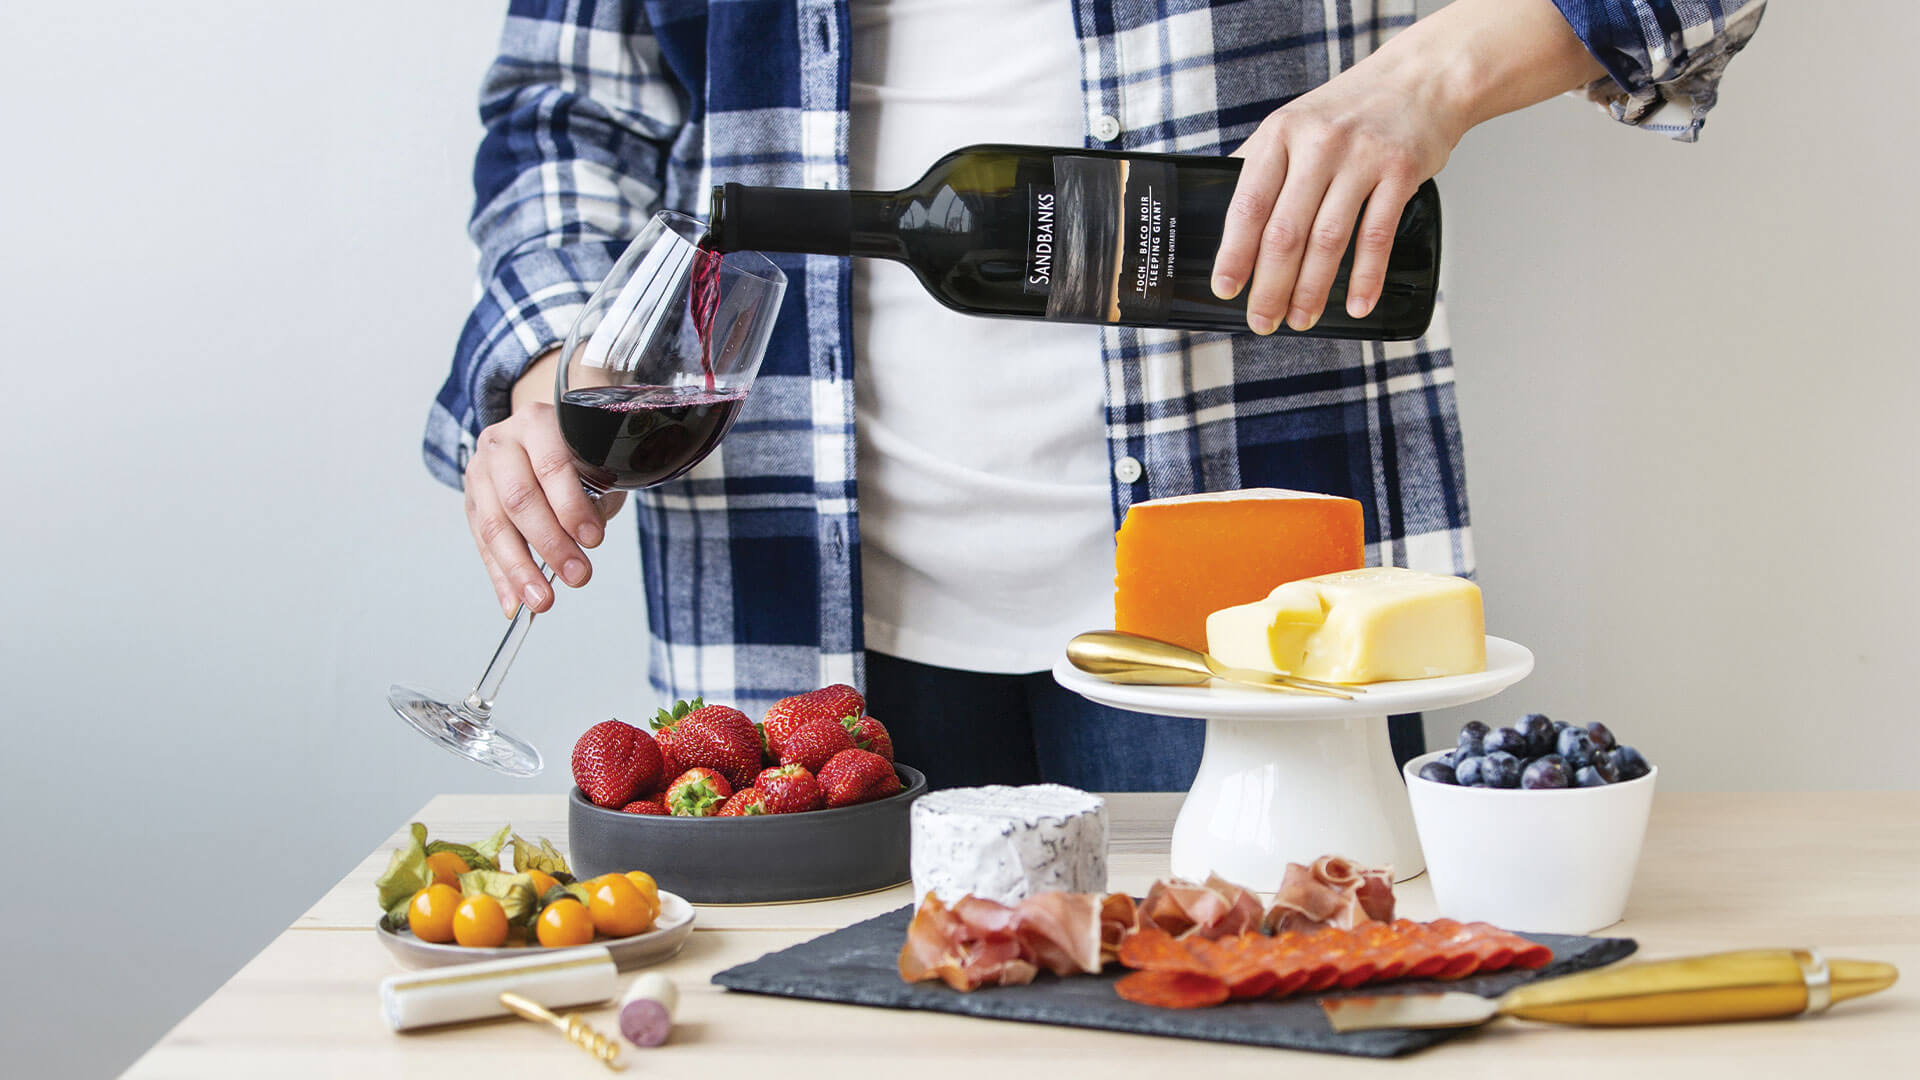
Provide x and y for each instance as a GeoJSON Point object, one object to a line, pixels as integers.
{"type": "Point", "coordinates": [599, 113]}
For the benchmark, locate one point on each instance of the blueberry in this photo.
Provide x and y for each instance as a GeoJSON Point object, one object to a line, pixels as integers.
{"type": "Point", "coordinates": [1577, 747]}
{"type": "Point", "coordinates": [1631, 765]}
{"type": "Point", "coordinates": [1507, 740]}
{"type": "Point", "coordinates": [1603, 764]}
{"type": "Point", "coordinates": [1471, 742]}
{"type": "Point", "coordinates": [1602, 738]}
{"type": "Point", "coordinates": [1539, 732]}
{"type": "Point", "coordinates": [1544, 773]}
{"type": "Point", "coordinates": [1467, 773]}
{"type": "Point", "coordinates": [1589, 777]}
{"type": "Point", "coordinates": [1438, 772]}
{"type": "Point", "coordinates": [1500, 769]}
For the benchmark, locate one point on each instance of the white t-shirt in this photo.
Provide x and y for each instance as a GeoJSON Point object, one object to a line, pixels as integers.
{"type": "Point", "coordinates": [986, 527]}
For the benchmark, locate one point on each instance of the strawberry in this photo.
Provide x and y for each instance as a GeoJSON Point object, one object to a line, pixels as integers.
{"type": "Point", "coordinates": [744, 803]}
{"type": "Point", "coordinates": [720, 738]}
{"type": "Point", "coordinates": [663, 724]}
{"type": "Point", "coordinates": [613, 761]}
{"type": "Point", "coordinates": [826, 703]}
{"type": "Point", "coordinates": [869, 734]}
{"type": "Point", "coordinates": [644, 806]}
{"type": "Point", "coordinates": [715, 737]}
{"type": "Point", "coordinates": [814, 743]}
{"type": "Point", "coordinates": [856, 776]}
{"type": "Point", "coordinates": [697, 793]}
{"type": "Point", "coordinates": [790, 789]}
{"type": "Point", "coordinates": [767, 756]}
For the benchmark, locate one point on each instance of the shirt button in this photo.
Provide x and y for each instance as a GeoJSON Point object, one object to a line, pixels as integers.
{"type": "Point", "coordinates": [1106, 127]}
{"type": "Point", "coordinates": [1127, 470]}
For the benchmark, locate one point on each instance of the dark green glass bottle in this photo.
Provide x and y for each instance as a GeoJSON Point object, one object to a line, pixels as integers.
{"type": "Point", "coordinates": [1091, 236]}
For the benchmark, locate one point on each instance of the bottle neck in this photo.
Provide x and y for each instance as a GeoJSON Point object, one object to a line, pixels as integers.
{"type": "Point", "coordinates": [805, 220]}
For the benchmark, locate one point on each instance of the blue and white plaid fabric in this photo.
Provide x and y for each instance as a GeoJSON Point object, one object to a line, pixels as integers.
{"type": "Point", "coordinates": [599, 113]}
{"type": "Point", "coordinates": [1663, 57]}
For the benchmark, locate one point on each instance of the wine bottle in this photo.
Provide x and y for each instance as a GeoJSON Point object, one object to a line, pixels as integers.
{"type": "Point", "coordinates": [1092, 236]}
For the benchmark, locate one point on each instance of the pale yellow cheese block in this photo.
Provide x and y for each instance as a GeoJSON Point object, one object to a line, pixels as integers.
{"type": "Point", "coordinates": [1357, 626]}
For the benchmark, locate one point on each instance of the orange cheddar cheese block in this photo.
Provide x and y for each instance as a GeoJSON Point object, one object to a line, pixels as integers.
{"type": "Point", "coordinates": [1180, 559]}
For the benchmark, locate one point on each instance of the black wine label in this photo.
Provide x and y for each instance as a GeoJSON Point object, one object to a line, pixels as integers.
{"type": "Point", "coordinates": [1101, 240]}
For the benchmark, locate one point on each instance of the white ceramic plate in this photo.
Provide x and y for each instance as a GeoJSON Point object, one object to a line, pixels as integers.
{"type": "Point", "coordinates": [669, 933]}
{"type": "Point", "coordinates": [1507, 663]}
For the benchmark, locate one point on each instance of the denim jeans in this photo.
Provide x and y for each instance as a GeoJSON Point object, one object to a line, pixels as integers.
{"type": "Point", "coordinates": [964, 728]}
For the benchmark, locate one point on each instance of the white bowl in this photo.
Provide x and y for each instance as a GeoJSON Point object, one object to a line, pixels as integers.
{"type": "Point", "coordinates": [1555, 862]}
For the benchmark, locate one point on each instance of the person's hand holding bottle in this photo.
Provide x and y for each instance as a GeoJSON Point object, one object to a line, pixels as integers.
{"type": "Point", "coordinates": [1354, 149]}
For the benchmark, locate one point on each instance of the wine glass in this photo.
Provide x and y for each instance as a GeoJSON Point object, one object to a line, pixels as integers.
{"type": "Point", "coordinates": [656, 368]}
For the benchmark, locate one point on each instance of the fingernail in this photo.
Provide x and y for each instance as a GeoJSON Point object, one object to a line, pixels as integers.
{"type": "Point", "coordinates": [532, 595]}
{"type": "Point", "coordinates": [590, 535]}
{"type": "Point", "coordinates": [1224, 287]}
{"type": "Point", "coordinates": [1300, 320]}
{"type": "Point", "coordinates": [575, 571]}
{"type": "Point", "coordinates": [1358, 306]}
{"type": "Point", "coordinates": [506, 605]}
{"type": "Point", "coordinates": [1260, 323]}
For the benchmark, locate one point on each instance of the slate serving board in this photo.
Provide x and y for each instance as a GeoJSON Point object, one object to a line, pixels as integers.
{"type": "Point", "coordinates": [859, 966]}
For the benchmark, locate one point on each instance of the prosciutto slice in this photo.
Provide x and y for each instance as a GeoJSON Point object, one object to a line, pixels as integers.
{"type": "Point", "coordinates": [1332, 892]}
{"type": "Point", "coordinates": [1217, 908]}
{"type": "Point", "coordinates": [979, 942]}
{"type": "Point", "coordinates": [1117, 916]}
{"type": "Point", "coordinates": [1059, 932]}
{"type": "Point", "coordinates": [942, 944]}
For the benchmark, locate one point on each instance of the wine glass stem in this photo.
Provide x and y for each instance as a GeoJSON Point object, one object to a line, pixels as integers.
{"type": "Point", "coordinates": [479, 702]}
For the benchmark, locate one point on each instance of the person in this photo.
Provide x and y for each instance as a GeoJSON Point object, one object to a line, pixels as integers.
{"type": "Point", "coordinates": [993, 458]}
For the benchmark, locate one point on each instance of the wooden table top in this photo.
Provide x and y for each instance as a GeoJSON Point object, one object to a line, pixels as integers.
{"type": "Point", "coordinates": [1720, 871]}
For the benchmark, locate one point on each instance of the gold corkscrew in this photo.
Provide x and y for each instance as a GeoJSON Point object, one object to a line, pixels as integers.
{"type": "Point", "coordinates": [575, 1029]}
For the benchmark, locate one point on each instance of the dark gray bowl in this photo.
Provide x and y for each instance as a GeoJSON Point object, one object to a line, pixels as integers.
{"type": "Point", "coordinates": [751, 860]}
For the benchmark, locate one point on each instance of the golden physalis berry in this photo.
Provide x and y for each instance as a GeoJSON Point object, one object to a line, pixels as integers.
{"type": "Point", "coordinates": [563, 923]}
{"type": "Point", "coordinates": [447, 867]}
{"type": "Point", "coordinates": [480, 923]}
{"type": "Point", "coordinates": [618, 907]}
{"type": "Point", "coordinates": [430, 915]}
{"type": "Point", "coordinates": [542, 881]}
{"type": "Point", "coordinates": [644, 882]}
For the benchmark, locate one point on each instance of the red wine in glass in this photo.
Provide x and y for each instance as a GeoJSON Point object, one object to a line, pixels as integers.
{"type": "Point", "coordinates": [639, 436]}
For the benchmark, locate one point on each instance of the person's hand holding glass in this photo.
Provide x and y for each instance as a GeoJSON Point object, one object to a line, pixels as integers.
{"type": "Point", "coordinates": [652, 375]}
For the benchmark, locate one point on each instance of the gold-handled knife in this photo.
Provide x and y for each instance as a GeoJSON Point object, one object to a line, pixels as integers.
{"type": "Point", "coordinates": [1120, 657]}
{"type": "Point", "coordinates": [1752, 985]}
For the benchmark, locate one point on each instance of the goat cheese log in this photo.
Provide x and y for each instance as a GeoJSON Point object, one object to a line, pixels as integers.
{"type": "Point", "coordinates": [1008, 843]}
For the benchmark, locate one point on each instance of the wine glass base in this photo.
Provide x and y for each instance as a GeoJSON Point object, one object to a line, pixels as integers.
{"type": "Point", "coordinates": [462, 731]}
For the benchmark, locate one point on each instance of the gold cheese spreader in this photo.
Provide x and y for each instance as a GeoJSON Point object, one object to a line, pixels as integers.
{"type": "Point", "coordinates": [1120, 657]}
{"type": "Point", "coordinates": [1752, 985]}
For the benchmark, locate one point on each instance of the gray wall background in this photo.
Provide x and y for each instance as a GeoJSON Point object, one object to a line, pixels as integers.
{"type": "Point", "coordinates": [235, 266]}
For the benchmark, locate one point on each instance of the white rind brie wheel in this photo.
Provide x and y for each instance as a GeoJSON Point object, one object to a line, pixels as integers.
{"type": "Point", "coordinates": [1008, 843]}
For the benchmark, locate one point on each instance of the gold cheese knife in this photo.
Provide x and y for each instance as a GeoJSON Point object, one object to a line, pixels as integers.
{"type": "Point", "coordinates": [1752, 985]}
{"type": "Point", "coordinates": [1119, 657]}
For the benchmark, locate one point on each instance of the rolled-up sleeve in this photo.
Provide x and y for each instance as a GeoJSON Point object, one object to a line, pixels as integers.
{"type": "Point", "coordinates": [1664, 58]}
{"type": "Point", "coordinates": [579, 113]}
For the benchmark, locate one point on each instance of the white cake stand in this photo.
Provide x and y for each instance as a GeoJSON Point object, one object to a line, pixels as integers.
{"type": "Point", "coordinates": [1291, 777]}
